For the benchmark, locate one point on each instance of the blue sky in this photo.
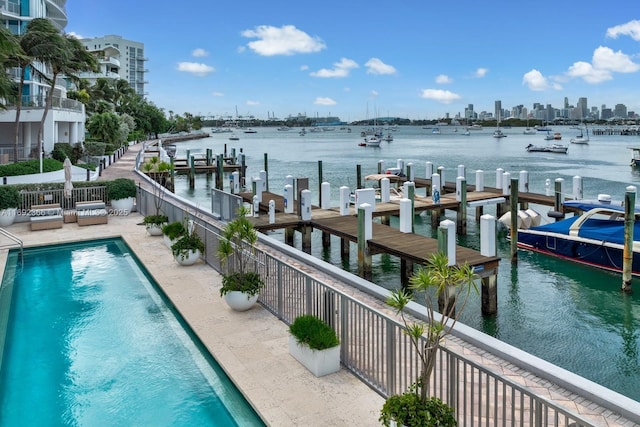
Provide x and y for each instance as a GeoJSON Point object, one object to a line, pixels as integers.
{"type": "Point", "coordinates": [357, 59]}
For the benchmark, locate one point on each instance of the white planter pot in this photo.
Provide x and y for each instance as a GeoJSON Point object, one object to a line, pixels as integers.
{"type": "Point", "coordinates": [168, 241]}
{"type": "Point", "coordinates": [7, 216]}
{"type": "Point", "coordinates": [122, 206]}
{"type": "Point", "coordinates": [319, 362]}
{"type": "Point", "coordinates": [189, 258]}
{"type": "Point", "coordinates": [154, 229]}
{"type": "Point", "coordinates": [240, 301]}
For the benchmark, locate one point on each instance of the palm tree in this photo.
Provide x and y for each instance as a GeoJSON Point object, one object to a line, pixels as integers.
{"type": "Point", "coordinates": [75, 59]}
{"type": "Point", "coordinates": [41, 43]}
{"type": "Point", "coordinates": [9, 48]}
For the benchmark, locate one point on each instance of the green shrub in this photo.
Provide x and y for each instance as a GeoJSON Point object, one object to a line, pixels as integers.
{"type": "Point", "coordinates": [173, 230]}
{"type": "Point", "coordinates": [9, 197]}
{"type": "Point", "coordinates": [410, 410]}
{"type": "Point", "coordinates": [312, 331]}
{"type": "Point", "coordinates": [30, 167]}
{"type": "Point", "coordinates": [188, 242]}
{"type": "Point", "coordinates": [155, 219]}
{"type": "Point", "coordinates": [121, 188]}
{"type": "Point", "coordinates": [249, 282]}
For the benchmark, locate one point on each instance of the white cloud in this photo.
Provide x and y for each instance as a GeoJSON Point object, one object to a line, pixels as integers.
{"type": "Point", "coordinates": [195, 68]}
{"type": "Point", "coordinates": [443, 79]}
{"type": "Point", "coordinates": [631, 29]}
{"type": "Point", "coordinates": [376, 66]}
{"type": "Point", "coordinates": [286, 40]}
{"type": "Point", "coordinates": [605, 58]}
{"type": "Point", "coordinates": [76, 35]}
{"type": "Point", "coordinates": [603, 64]}
{"type": "Point", "coordinates": [249, 102]}
{"type": "Point", "coordinates": [535, 80]}
{"type": "Point", "coordinates": [373, 94]}
{"type": "Point", "coordinates": [341, 69]}
{"type": "Point", "coordinates": [443, 96]}
{"type": "Point", "coordinates": [304, 67]}
{"type": "Point", "coordinates": [198, 53]}
{"type": "Point", "coordinates": [481, 72]}
{"type": "Point", "coordinates": [324, 101]}
{"type": "Point", "coordinates": [217, 94]}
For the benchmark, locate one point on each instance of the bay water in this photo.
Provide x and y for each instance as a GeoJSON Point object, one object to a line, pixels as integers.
{"type": "Point", "coordinates": [573, 316]}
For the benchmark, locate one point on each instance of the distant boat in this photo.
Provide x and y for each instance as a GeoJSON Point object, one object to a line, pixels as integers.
{"type": "Point", "coordinates": [389, 137]}
{"type": "Point", "coordinates": [581, 139]}
{"type": "Point", "coordinates": [499, 134]}
{"type": "Point", "coordinates": [474, 127]}
{"type": "Point", "coordinates": [435, 131]}
{"type": "Point", "coordinates": [466, 133]}
{"type": "Point", "coordinates": [635, 156]}
{"type": "Point", "coordinates": [543, 128]}
{"type": "Point", "coordinates": [284, 128]}
{"type": "Point", "coordinates": [552, 148]}
{"type": "Point", "coordinates": [557, 136]}
{"type": "Point", "coordinates": [249, 130]}
{"type": "Point", "coordinates": [371, 141]}
{"type": "Point", "coordinates": [548, 136]}
{"type": "Point", "coordinates": [303, 132]}
{"type": "Point", "coordinates": [234, 137]}
{"type": "Point", "coordinates": [528, 130]}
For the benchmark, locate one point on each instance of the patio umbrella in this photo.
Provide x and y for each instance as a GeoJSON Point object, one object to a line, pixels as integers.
{"type": "Point", "coordinates": [68, 186]}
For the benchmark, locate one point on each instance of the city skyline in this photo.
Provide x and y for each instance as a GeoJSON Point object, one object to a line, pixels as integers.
{"type": "Point", "coordinates": [362, 59]}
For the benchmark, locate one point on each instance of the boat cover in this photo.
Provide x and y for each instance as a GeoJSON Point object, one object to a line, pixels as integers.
{"type": "Point", "coordinates": [594, 228]}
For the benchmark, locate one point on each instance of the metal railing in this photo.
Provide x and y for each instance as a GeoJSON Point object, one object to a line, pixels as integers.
{"type": "Point", "coordinates": [80, 194]}
{"type": "Point", "coordinates": [374, 347]}
{"type": "Point", "coordinates": [17, 242]}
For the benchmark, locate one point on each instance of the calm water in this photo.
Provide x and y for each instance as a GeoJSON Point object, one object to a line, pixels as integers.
{"type": "Point", "coordinates": [569, 315]}
{"type": "Point", "coordinates": [90, 342]}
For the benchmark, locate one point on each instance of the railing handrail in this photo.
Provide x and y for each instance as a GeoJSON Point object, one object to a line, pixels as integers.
{"type": "Point", "coordinates": [17, 241]}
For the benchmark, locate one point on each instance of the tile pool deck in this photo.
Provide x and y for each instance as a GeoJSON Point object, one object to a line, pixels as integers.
{"type": "Point", "coordinates": [250, 346]}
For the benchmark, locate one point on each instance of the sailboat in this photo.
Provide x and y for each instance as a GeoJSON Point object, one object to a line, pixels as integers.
{"type": "Point", "coordinates": [528, 130]}
{"type": "Point", "coordinates": [498, 132]}
{"type": "Point", "coordinates": [582, 138]}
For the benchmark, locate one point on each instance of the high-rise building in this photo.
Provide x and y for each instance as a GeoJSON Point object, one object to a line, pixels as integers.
{"type": "Point", "coordinates": [620, 110]}
{"type": "Point", "coordinates": [583, 108]}
{"type": "Point", "coordinates": [498, 114]}
{"type": "Point", "coordinates": [65, 119]}
{"type": "Point", "coordinates": [119, 59]}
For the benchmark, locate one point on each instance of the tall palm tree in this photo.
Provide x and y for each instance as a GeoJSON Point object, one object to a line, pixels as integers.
{"type": "Point", "coordinates": [41, 43]}
{"type": "Point", "coordinates": [75, 59]}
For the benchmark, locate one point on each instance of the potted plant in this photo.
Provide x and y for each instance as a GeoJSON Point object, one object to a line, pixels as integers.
{"type": "Point", "coordinates": [448, 286]}
{"type": "Point", "coordinates": [407, 409]}
{"type": "Point", "coordinates": [314, 344]}
{"type": "Point", "coordinates": [9, 202]}
{"type": "Point", "coordinates": [172, 232]}
{"type": "Point", "coordinates": [154, 224]}
{"type": "Point", "coordinates": [241, 282]}
{"type": "Point", "coordinates": [121, 193]}
{"type": "Point", "coordinates": [188, 249]}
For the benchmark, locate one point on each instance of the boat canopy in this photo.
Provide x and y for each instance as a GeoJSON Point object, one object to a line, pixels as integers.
{"type": "Point", "coordinates": [587, 205]}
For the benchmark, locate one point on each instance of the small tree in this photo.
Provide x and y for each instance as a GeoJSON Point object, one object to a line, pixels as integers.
{"type": "Point", "coordinates": [438, 283]}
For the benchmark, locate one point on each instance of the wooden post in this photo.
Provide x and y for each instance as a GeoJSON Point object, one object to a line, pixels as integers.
{"type": "Point", "coordinates": [364, 257]}
{"type": "Point", "coordinates": [192, 172]}
{"type": "Point", "coordinates": [306, 239]}
{"type": "Point", "coordinates": [358, 176]}
{"type": "Point", "coordinates": [629, 221]}
{"type": "Point", "coordinates": [490, 294]}
{"type": "Point", "coordinates": [320, 179]}
{"type": "Point", "coordinates": [461, 220]}
{"type": "Point", "coordinates": [406, 271]}
{"type": "Point", "coordinates": [514, 220]}
{"type": "Point", "coordinates": [345, 248]}
{"type": "Point", "coordinates": [289, 234]}
{"type": "Point", "coordinates": [266, 169]}
{"type": "Point", "coordinates": [446, 299]}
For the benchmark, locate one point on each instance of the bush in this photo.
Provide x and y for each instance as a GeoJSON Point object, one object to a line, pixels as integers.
{"type": "Point", "coordinates": [410, 410]}
{"type": "Point", "coordinates": [9, 197]}
{"type": "Point", "coordinates": [173, 230]}
{"type": "Point", "coordinates": [313, 332]}
{"type": "Point", "coordinates": [188, 242]}
{"type": "Point", "coordinates": [30, 167]}
{"type": "Point", "coordinates": [121, 188]}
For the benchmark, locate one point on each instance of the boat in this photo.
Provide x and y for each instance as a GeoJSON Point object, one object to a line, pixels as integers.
{"type": "Point", "coordinates": [548, 136]}
{"type": "Point", "coordinates": [234, 137]}
{"type": "Point", "coordinates": [284, 128]}
{"type": "Point", "coordinates": [303, 132]}
{"type": "Point", "coordinates": [594, 238]}
{"type": "Point", "coordinates": [551, 148]}
{"type": "Point", "coordinates": [371, 141]}
{"type": "Point", "coordinates": [466, 133]}
{"type": "Point", "coordinates": [528, 130]}
{"type": "Point", "coordinates": [389, 137]}
{"type": "Point", "coordinates": [499, 134]}
{"type": "Point", "coordinates": [474, 127]}
{"type": "Point", "coordinates": [435, 131]}
{"type": "Point", "coordinates": [635, 156]}
{"type": "Point", "coordinates": [544, 128]}
{"type": "Point", "coordinates": [249, 130]}
{"type": "Point", "coordinates": [582, 138]}
{"type": "Point", "coordinates": [557, 136]}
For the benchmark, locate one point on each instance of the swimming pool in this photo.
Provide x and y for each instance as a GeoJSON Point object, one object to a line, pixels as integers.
{"type": "Point", "coordinates": [86, 338]}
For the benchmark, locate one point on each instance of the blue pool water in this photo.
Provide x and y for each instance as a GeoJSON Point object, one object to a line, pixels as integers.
{"type": "Point", "coordinates": [89, 340]}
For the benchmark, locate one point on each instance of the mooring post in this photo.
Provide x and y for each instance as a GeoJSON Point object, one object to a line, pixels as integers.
{"type": "Point", "coordinates": [192, 172]}
{"type": "Point", "coordinates": [488, 248]}
{"type": "Point", "coordinates": [365, 228]}
{"type": "Point", "coordinates": [447, 245]}
{"type": "Point", "coordinates": [358, 176]}
{"type": "Point", "coordinates": [514, 220]}
{"type": "Point", "coordinates": [380, 166]}
{"type": "Point", "coordinates": [461, 196]}
{"type": "Point", "coordinates": [629, 221]}
{"type": "Point", "coordinates": [266, 169]}
{"type": "Point", "coordinates": [320, 181]}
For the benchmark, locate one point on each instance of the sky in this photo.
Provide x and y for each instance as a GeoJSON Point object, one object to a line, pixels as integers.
{"type": "Point", "coordinates": [357, 59]}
